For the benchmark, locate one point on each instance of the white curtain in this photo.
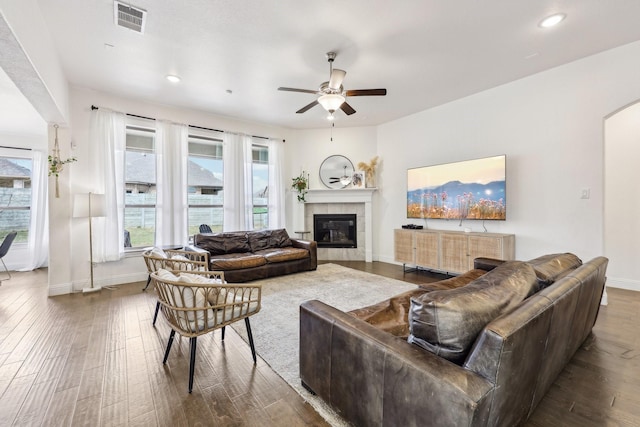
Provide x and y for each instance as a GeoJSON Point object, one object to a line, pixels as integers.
{"type": "Point", "coordinates": [107, 142]}
{"type": "Point", "coordinates": [238, 197]}
{"type": "Point", "coordinates": [171, 182]}
{"type": "Point", "coordinates": [276, 184]}
{"type": "Point", "coordinates": [38, 253]}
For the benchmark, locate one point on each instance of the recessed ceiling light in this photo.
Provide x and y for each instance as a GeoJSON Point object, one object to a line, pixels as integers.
{"type": "Point", "coordinates": [173, 79]}
{"type": "Point", "coordinates": [552, 20]}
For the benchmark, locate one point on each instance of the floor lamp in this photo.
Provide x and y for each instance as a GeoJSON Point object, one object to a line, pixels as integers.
{"type": "Point", "coordinates": [90, 206]}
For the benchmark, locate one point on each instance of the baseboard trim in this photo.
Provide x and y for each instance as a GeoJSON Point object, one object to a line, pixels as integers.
{"type": "Point", "coordinates": [60, 289]}
{"type": "Point", "coordinates": [631, 285]}
{"type": "Point", "coordinates": [79, 285]}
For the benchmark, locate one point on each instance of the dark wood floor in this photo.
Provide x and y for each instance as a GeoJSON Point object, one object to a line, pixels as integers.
{"type": "Point", "coordinates": [90, 360]}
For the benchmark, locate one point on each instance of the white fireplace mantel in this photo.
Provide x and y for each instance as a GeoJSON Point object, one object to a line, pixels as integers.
{"type": "Point", "coordinates": [350, 195]}
{"type": "Point", "coordinates": [345, 195]}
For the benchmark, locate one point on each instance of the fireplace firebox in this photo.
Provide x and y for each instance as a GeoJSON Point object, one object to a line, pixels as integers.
{"type": "Point", "coordinates": [335, 230]}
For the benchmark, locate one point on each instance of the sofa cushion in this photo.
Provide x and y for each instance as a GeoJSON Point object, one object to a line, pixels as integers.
{"type": "Point", "coordinates": [259, 240]}
{"type": "Point", "coordinates": [265, 239]}
{"type": "Point", "coordinates": [284, 254]}
{"type": "Point", "coordinates": [390, 315]}
{"type": "Point", "coordinates": [236, 261]}
{"type": "Point", "coordinates": [454, 282]}
{"type": "Point", "coordinates": [550, 268]}
{"type": "Point", "coordinates": [223, 243]}
{"type": "Point", "coordinates": [279, 238]}
{"type": "Point", "coordinates": [447, 322]}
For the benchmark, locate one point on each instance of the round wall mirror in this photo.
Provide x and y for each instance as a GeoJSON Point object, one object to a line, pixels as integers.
{"type": "Point", "coordinates": [336, 171]}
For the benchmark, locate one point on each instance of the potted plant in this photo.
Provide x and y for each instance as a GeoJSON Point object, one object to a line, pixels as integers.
{"type": "Point", "coordinates": [56, 164]}
{"type": "Point", "coordinates": [301, 185]}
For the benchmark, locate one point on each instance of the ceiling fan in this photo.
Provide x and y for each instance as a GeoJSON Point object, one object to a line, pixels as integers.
{"type": "Point", "coordinates": [332, 94]}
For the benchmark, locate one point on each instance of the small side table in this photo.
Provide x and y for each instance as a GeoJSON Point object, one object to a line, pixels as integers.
{"type": "Point", "coordinates": [302, 233]}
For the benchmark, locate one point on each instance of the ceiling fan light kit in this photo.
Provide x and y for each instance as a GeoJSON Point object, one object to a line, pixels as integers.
{"type": "Point", "coordinates": [331, 94]}
{"type": "Point", "coordinates": [331, 101]}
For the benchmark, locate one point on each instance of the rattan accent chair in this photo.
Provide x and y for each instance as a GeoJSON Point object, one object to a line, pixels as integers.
{"type": "Point", "coordinates": [196, 303]}
{"type": "Point", "coordinates": [173, 259]}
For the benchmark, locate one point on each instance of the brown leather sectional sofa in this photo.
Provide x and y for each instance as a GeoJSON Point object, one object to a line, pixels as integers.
{"type": "Point", "coordinates": [251, 255]}
{"type": "Point", "coordinates": [416, 360]}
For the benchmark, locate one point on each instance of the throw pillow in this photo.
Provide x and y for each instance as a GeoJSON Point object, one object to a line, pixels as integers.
{"type": "Point", "coordinates": [157, 252]}
{"type": "Point", "coordinates": [447, 322]}
{"type": "Point", "coordinates": [214, 296]}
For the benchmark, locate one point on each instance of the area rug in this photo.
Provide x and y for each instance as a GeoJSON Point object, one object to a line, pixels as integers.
{"type": "Point", "coordinates": [276, 327]}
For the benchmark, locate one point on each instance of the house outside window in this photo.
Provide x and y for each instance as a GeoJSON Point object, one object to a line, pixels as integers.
{"type": "Point", "coordinates": [260, 185]}
{"type": "Point", "coordinates": [205, 183]}
{"type": "Point", "coordinates": [15, 197]}
{"type": "Point", "coordinates": [140, 187]}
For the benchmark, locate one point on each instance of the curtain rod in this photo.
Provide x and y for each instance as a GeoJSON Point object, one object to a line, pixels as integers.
{"type": "Point", "coordinates": [16, 148]}
{"type": "Point", "coordinates": [93, 107]}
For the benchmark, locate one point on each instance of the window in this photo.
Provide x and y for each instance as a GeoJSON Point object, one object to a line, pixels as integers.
{"type": "Point", "coordinates": [205, 183]}
{"type": "Point", "coordinates": [15, 197]}
{"type": "Point", "coordinates": [260, 185]}
{"type": "Point", "coordinates": [140, 188]}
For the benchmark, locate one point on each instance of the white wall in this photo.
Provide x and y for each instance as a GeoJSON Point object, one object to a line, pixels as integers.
{"type": "Point", "coordinates": [81, 180]}
{"type": "Point", "coordinates": [307, 149]}
{"type": "Point", "coordinates": [622, 197]}
{"type": "Point", "coordinates": [549, 125]}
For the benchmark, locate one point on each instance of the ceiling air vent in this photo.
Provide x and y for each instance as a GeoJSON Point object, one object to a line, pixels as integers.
{"type": "Point", "coordinates": [129, 16]}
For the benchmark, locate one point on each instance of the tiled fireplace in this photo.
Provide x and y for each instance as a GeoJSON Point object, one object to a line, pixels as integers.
{"type": "Point", "coordinates": [353, 202]}
{"type": "Point", "coordinates": [335, 230]}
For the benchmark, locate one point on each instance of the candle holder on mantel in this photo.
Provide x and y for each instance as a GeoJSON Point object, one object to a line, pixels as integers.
{"type": "Point", "coordinates": [56, 164]}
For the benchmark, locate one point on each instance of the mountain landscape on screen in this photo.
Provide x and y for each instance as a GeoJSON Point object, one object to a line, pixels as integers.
{"type": "Point", "coordinates": [472, 189]}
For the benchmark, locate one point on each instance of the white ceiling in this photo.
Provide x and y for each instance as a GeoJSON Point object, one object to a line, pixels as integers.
{"type": "Point", "coordinates": [424, 52]}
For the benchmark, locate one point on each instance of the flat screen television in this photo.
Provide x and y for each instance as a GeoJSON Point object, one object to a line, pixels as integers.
{"type": "Point", "coordinates": [471, 189]}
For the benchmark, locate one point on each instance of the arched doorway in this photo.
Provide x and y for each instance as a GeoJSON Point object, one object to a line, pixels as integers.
{"type": "Point", "coordinates": [622, 197]}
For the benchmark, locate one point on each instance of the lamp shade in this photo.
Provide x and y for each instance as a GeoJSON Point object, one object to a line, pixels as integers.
{"type": "Point", "coordinates": [83, 209]}
{"type": "Point", "coordinates": [331, 101]}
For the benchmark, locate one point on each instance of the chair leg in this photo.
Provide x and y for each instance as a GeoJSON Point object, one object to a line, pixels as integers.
{"type": "Point", "coordinates": [192, 361]}
{"type": "Point", "coordinates": [6, 270]}
{"type": "Point", "coordinates": [166, 352]}
{"type": "Point", "coordinates": [253, 349]}
{"type": "Point", "coordinates": [223, 332]}
{"type": "Point", "coordinates": [155, 315]}
{"type": "Point", "coordinates": [148, 281]}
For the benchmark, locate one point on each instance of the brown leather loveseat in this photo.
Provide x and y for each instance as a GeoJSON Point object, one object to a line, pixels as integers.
{"type": "Point", "coordinates": [481, 349]}
{"type": "Point", "coordinates": [251, 255]}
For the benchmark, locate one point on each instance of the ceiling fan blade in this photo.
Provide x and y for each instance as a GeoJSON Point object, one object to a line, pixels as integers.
{"type": "Point", "coordinates": [366, 92]}
{"type": "Point", "coordinates": [337, 76]}
{"type": "Point", "coordinates": [290, 89]}
{"type": "Point", "coordinates": [348, 109]}
{"type": "Point", "coordinates": [307, 107]}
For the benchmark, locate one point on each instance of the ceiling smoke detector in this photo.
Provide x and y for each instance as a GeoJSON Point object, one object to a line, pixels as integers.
{"type": "Point", "coordinates": [130, 17]}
